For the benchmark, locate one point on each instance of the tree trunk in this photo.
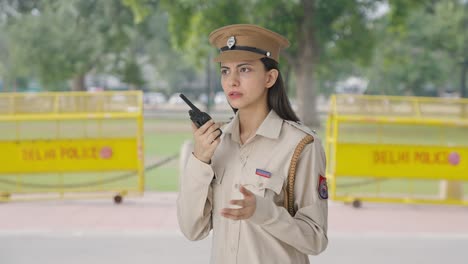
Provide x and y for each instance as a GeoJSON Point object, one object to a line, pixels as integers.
{"type": "Point", "coordinates": [208, 88]}
{"type": "Point", "coordinates": [308, 55]}
{"type": "Point", "coordinates": [14, 85]}
{"type": "Point", "coordinates": [78, 83]}
{"type": "Point", "coordinates": [464, 66]}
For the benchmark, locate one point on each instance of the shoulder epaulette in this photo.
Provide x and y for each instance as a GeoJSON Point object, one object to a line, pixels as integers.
{"type": "Point", "coordinates": [302, 127]}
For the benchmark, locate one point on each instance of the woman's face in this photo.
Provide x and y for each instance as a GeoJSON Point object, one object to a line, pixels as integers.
{"type": "Point", "coordinates": [246, 83]}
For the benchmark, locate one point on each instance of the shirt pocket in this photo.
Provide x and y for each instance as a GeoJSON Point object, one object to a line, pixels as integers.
{"type": "Point", "coordinates": [272, 186]}
{"type": "Point", "coordinates": [263, 186]}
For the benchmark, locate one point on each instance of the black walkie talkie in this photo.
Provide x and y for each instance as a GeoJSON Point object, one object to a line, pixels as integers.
{"type": "Point", "coordinates": [198, 117]}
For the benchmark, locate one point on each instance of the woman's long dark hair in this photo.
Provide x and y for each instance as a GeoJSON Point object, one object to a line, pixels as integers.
{"type": "Point", "coordinates": [277, 97]}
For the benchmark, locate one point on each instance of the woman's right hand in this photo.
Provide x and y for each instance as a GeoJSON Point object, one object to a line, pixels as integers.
{"type": "Point", "coordinates": [206, 140]}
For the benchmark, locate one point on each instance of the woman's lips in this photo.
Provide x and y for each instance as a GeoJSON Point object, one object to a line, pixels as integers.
{"type": "Point", "coordinates": [234, 95]}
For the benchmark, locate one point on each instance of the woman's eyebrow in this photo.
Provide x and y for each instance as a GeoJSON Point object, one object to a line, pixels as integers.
{"type": "Point", "coordinates": [237, 66]}
{"type": "Point", "coordinates": [243, 64]}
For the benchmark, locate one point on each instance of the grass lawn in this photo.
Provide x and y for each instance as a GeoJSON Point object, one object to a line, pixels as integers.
{"type": "Point", "coordinates": [159, 145]}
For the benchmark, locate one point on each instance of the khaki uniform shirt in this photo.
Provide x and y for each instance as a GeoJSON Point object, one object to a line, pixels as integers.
{"type": "Point", "coordinates": [271, 235]}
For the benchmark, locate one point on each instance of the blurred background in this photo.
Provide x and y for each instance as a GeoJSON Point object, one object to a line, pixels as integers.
{"type": "Point", "coordinates": [342, 54]}
{"type": "Point", "coordinates": [385, 47]}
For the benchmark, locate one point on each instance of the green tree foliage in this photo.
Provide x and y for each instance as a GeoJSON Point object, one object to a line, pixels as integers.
{"type": "Point", "coordinates": [9, 74]}
{"type": "Point", "coordinates": [61, 40]}
{"type": "Point", "coordinates": [415, 48]}
{"type": "Point", "coordinates": [170, 65]}
{"type": "Point", "coordinates": [320, 32]}
{"type": "Point", "coordinates": [140, 8]}
{"type": "Point", "coordinates": [420, 56]}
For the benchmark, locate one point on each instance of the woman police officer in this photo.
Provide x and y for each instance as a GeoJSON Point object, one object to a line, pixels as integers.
{"type": "Point", "coordinates": [235, 184]}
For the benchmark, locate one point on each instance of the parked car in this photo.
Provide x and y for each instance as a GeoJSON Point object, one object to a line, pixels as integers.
{"type": "Point", "coordinates": [175, 99]}
{"type": "Point", "coordinates": [220, 98]}
{"type": "Point", "coordinates": [154, 98]}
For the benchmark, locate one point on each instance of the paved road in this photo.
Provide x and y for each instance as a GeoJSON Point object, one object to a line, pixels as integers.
{"type": "Point", "coordinates": [144, 230]}
{"type": "Point", "coordinates": [154, 247]}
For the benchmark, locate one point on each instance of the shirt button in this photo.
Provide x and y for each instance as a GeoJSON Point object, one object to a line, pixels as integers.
{"type": "Point", "coordinates": [260, 185]}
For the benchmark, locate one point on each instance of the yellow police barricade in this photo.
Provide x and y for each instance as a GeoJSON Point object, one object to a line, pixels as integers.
{"type": "Point", "coordinates": [397, 149]}
{"type": "Point", "coordinates": [71, 145]}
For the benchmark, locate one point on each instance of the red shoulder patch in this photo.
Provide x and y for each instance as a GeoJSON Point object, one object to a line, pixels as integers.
{"type": "Point", "coordinates": [322, 187]}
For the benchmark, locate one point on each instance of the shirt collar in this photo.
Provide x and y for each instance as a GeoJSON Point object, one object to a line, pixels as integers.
{"type": "Point", "coordinates": [270, 127]}
{"type": "Point", "coordinates": [233, 128]}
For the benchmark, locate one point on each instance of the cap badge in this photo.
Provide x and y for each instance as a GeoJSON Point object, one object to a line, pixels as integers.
{"type": "Point", "coordinates": [231, 42]}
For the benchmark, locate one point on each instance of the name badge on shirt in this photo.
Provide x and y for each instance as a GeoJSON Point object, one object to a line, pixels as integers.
{"type": "Point", "coordinates": [263, 173]}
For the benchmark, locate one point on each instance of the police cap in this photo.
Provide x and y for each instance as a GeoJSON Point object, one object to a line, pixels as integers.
{"type": "Point", "coordinates": [246, 42]}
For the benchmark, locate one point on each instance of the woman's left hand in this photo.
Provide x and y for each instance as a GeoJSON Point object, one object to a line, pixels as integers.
{"type": "Point", "coordinates": [247, 206]}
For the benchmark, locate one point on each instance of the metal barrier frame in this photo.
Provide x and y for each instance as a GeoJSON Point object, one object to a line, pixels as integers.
{"type": "Point", "coordinates": [98, 112]}
{"type": "Point", "coordinates": [336, 118]}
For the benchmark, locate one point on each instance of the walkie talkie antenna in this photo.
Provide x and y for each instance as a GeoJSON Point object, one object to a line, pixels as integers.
{"type": "Point", "coordinates": [198, 117]}
{"type": "Point", "coordinates": [194, 108]}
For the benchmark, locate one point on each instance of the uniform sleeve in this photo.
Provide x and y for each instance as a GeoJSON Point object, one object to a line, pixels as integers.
{"type": "Point", "coordinates": [194, 202]}
{"type": "Point", "coordinates": [307, 230]}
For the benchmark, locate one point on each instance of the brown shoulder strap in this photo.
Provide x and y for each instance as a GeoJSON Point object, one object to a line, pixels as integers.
{"type": "Point", "coordinates": [289, 192]}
